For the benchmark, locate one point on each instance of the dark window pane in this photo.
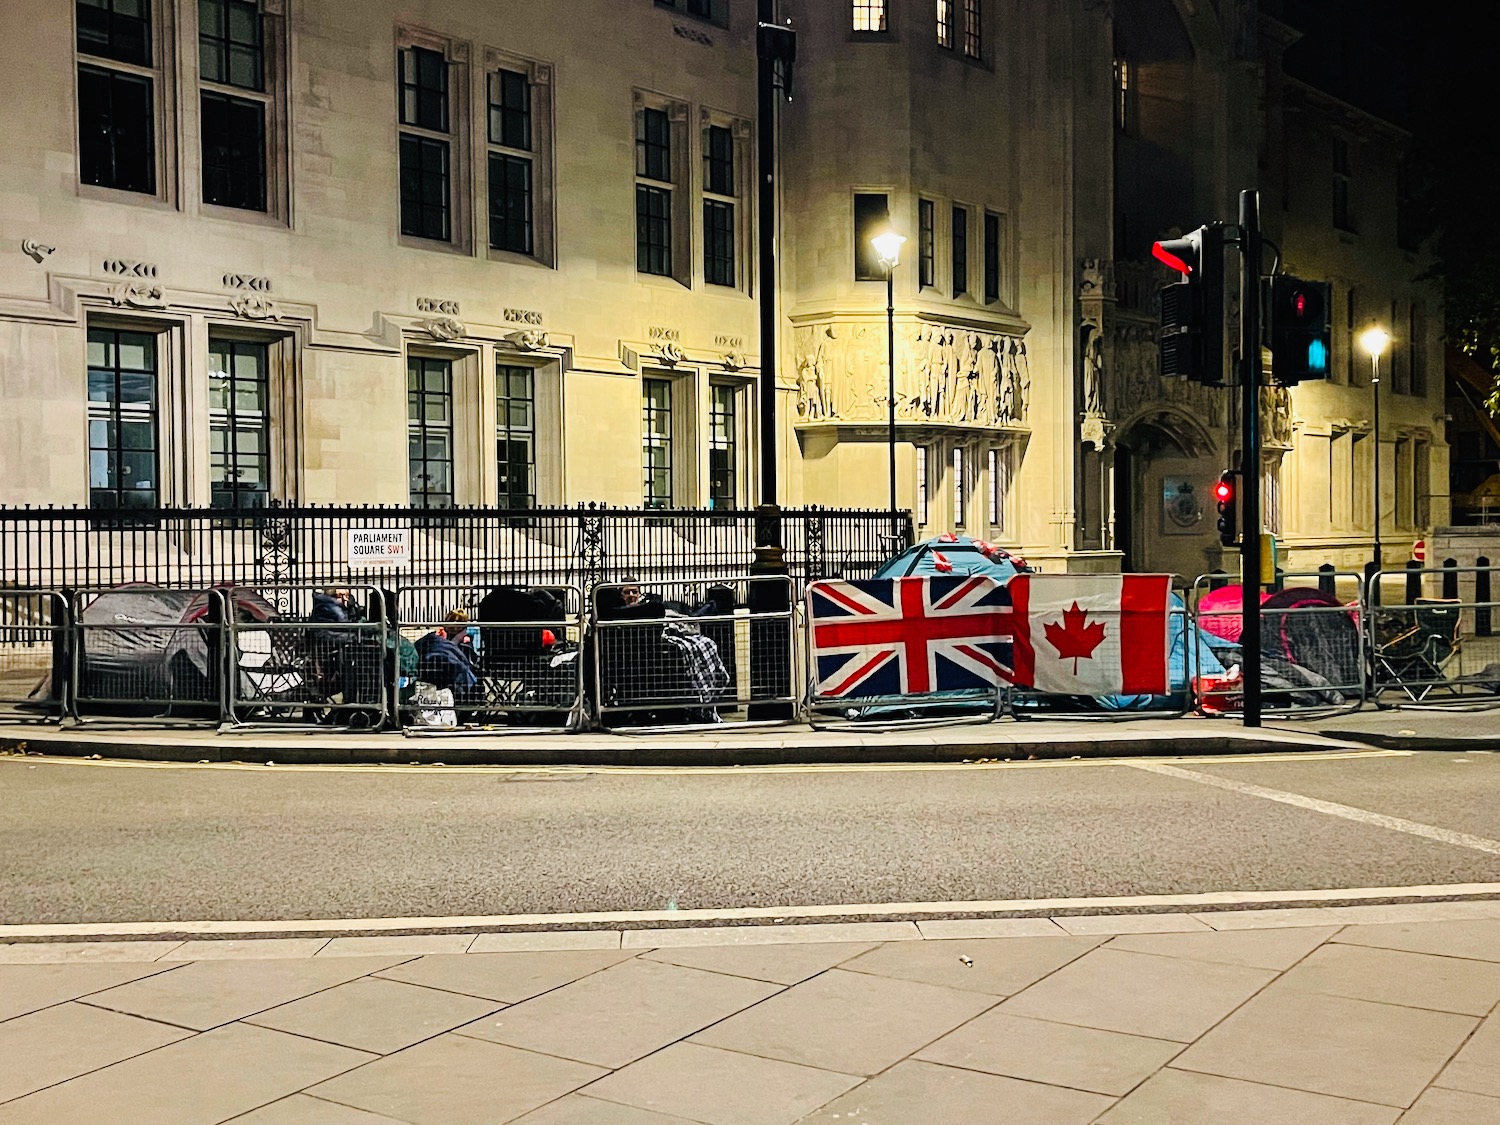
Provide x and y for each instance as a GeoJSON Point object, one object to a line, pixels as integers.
{"type": "Point", "coordinates": [122, 462]}
{"type": "Point", "coordinates": [992, 257]}
{"type": "Point", "coordinates": [424, 188]}
{"type": "Point", "coordinates": [424, 89]}
{"type": "Point", "coordinates": [656, 438]}
{"type": "Point", "coordinates": [229, 43]}
{"type": "Point", "coordinates": [430, 432]}
{"type": "Point", "coordinates": [719, 160]}
{"type": "Point", "coordinates": [239, 421]}
{"type": "Point", "coordinates": [115, 29]}
{"type": "Point", "coordinates": [115, 130]}
{"type": "Point", "coordinates": [960, 250]}
{"type": "Point", "coordinates": [234, 152]}
{"type": "Point", "coordinates": [654, 146]}
{"type": "Point", "coordinates": [718, 242]}
{"type": "Point", "coordinates": [722, 432]}
{"type": "Point", "coordinates": [926, 244]}
{"type": "Point", "coordinates": [872, 214]}
{"type": "Point", "coordinates": [510, 203]}
{"type": "Point", "coordinates": [510, 110]}
{"type": "Point", "coordinates": [653, 230]}
{"type": "Point", "coordinates": [515, 439]}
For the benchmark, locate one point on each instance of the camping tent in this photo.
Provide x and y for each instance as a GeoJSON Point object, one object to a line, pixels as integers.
{"type": "Point", "coordinates": [953, 554]}
{"type": "Point", "coordinates": [142, 644]}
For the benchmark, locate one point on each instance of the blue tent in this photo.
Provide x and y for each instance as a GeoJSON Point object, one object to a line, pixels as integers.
{"type": "Point", "coordinates": [953, 554]}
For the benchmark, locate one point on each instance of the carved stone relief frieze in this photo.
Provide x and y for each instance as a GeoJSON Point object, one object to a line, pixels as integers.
{"type": "Point", "coordinates": [1276, 416]}
{"type": "Point", "coordinates": [1137, 377]}
{"type": "Point", "coordinates": [254, 306]}
{"type": "Point", "coordinates": [444, 328]}
{"type": "Point", "coordinates": [528, 341]}
{"type": "Point", "coordinates": [138, 295]}
{"type": "Point", "coordinates": [944, 374]}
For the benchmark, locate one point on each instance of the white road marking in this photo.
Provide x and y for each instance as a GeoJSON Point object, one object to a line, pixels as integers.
{"type": "Point", "coordinates": [979, 763]}
{"type": "Point", "coordinates": [886, 910]}
{"type": "Point", "coordinates": [1330, 808]}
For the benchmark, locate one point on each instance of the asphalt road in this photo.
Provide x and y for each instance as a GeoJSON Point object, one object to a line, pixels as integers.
{"type": "Point", "coordinates": [100, 842]}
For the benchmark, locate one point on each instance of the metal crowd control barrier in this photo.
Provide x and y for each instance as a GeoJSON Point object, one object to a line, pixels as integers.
{"type": "Point", "coordinates": [514, 660]}
{"type": "Point", "coordinates": [728, 656]}
{"type": "Point", "coordinates": [143, 653]}
{"type": "Point", "coordinates": [841, 707]}
{"type": "Point", "coordinates": [287, 670]}
{"type": "Point", "coordinates": [33, 654]}
{"type": "Point", "coordinates": [1178, 701]}
{"type": "Point", "coordinates": [1312, 646]}
{"type": "Point", "coordinates": [1435, 650]}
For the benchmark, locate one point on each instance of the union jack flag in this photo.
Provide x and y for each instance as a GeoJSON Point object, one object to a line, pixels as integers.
{"type": "Point", "coordinates": [910, 636]}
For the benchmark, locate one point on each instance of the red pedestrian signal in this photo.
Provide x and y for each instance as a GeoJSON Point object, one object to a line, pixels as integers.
{"type": "Point", "coordinates": [1226, 492]}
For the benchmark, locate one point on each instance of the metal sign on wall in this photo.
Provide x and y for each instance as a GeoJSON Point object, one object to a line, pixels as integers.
{"type": "Point", "coordinates": [379, 548]}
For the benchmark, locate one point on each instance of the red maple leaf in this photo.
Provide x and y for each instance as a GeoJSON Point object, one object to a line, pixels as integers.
{"type": "Point", "coordinates": [1072, 639]}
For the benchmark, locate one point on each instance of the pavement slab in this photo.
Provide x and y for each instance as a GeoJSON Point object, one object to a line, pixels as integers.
{"type": "Point", "coordinates": [722, 1087]}
{"type": "Point", "coordinates": [997, 966]}
{"type": "Point", "coordinates": [579, 1109]}
{"type": "Point", "coordinates": [1331, 1045]}
{"type": "Point", "coordinates": [205, 994]}
{"type": "Point", "coordinates": [507, 977]}
{"type": "Point", "coordinates": [1139, 994]}
{"type": "Point", "coordinates": [380, 1016]}
{"type": "Point", "coordinates": [915, 1091]}
{"type": "Point", "coordinates": [199, 1081]}
{"type": "Point", "coordinates": [303, 1109]}
{"type": "Point", "coordinates": [456, 1080]}
{"type": "Point", "coordinates": [1478, 940]}
{"type": "Point", "coordinates": [1177, 1097]}
{"type": "Point", "coordinates": [850, 1023]}
{"type": "Point", "coordinates": [1254, 949]}
{"type": "Point", "coordinates": [1446, 984]}
{"type": "Point", "coordinates": [62, 1042]}
{"type": "Point", "coordinates": [622, 1013]}
{"type": "Point", "coordinates": [1059, 1054]}
{"type": "Point", "coordinates": [1452, 1107]}
{"type": "Point", "coordinates": [1476, 1068]}
{"type": "Point", "coordinates": [29, 988]}
{"type": "Point", "coordinates": [777, 964]}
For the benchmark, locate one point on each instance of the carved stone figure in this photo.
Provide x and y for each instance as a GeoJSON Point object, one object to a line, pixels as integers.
{"type": "Point", "coordinates": [138, 295]}
{"type": "Point", "coordinates": [444, 328]}
{"type": "Point", "coordinates": [252, 306]}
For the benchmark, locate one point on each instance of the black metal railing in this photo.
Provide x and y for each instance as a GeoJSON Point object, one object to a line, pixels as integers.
{"type": "Point", "coordinates": [70, 548]}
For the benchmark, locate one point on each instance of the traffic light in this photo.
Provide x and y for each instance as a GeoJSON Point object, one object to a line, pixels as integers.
{"type": "Point", "coordinates": [1191, 343]}
{"type": "Point", "coordinates": [1227, 493]}
{"type": "Point", "coordinates": [1300, 329]}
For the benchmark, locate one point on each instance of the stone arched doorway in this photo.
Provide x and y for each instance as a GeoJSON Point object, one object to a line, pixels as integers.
{"type": "Point", "coordinates": [1164, 515]}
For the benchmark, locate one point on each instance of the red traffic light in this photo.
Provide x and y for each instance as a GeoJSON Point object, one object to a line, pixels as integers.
{"type": "Point", "coordinates": [1223, 491]}
{"type": "Point", "coordinates": [1299, 305]}
{"type": "Point", "coordinates": [1160, 252]}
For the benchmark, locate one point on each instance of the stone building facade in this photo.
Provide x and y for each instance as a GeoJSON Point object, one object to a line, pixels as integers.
{"type": "Point", "coordinates": [472, 253]}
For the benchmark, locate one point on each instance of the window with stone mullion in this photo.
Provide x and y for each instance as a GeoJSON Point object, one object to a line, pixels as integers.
{"type": "Point", "coordinates": [239, 423]}
{"type": "Point", "coordinates": [719, 201]}
{"type": "Point", "coordinates": [231, 44]}
{"type": "Point", "coordinates": [118, 132]}
{"type": "Point", "coordinates": [515, 437]}
{"type": "Point", "coordinates": [425, 147]}
{"type": "Point", "coordinates": [654, 197]}
{"type": "Point", "coordinates": [123, 461]}
{"type": "Point", "coordinates": [119, 30]}
{"type": "Point", "coordinates": [511, 169]}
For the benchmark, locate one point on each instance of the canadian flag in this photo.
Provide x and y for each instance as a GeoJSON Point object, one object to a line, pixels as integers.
{"type": "Point", "coordinates": [1088, 634]}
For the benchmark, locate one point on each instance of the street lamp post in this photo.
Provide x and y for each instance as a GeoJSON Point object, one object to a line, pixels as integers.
{"type": "Point", "coordinates": [1374, 341]}
{"type": "Point", "coordinates": [888, 246]}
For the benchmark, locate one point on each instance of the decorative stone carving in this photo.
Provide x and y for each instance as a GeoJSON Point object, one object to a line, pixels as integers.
{"type": "Point", "coordinates": [35, 250]}
{"type": "Point", "coordinates": [1095, 276]}
{"type": "Point", "coordinates": [1276, 416]}
{"type": "Point", "coordinates": [444, 328]}
{"type": "Point", "coordinates": [437, 305]}
{"type": "Point", "coordinates": [253, 306]}
{"type": "Point", "coordinates": [1137, 380]}
{"type": "Point", "coordinates": [138, 295]}
{"type": "Point", "coordinates": [669, 353]}
{"type": "Point", "coordinates": [732, 360]}
{"type": "Point", "coordinates": [528, 341]}
{"type": "Point", "coordinates": [944, 375]}
{"type": "Point", "coordinates": [129, 267]}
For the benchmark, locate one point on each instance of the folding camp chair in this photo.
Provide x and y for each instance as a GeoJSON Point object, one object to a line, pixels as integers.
{"type": "Point", "coordinates": [1412, 647]}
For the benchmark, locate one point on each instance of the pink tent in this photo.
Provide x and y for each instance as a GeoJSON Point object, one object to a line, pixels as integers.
{"type": "Point", "coordinates": [1219, 612]}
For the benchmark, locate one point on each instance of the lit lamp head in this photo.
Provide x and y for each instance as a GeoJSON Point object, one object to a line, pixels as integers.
{"type": "Point", "coordinates": [1374, 341]}
{"type": "Point", "coordinates": [888, 246]}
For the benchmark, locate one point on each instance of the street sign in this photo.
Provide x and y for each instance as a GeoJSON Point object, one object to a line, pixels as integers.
{"type": "Point", "coordinates": [379, 548]}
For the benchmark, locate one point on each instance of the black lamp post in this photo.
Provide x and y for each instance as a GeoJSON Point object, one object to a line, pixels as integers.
{"type": "Point", "coordinates": [1375, 340]}
{"type": "Point", "coordinates": [888, 245]}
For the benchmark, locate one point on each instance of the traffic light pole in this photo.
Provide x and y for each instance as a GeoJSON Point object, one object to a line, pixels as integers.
{"type": "Point", "coordinates": [1250, 379]}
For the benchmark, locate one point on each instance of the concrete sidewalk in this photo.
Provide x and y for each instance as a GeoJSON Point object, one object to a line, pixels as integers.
{"type": "Point", "coordinates": [730, 744]}
{"type": "Point", "coordinates": [1362, 1015]}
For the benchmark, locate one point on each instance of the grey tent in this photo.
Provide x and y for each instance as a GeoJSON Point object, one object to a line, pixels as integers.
{"type": "Point", "coordinates": [143, 645]}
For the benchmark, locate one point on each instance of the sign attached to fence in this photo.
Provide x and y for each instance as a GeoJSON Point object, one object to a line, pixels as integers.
{"type": "Point", "coordinates": [385, 548]}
